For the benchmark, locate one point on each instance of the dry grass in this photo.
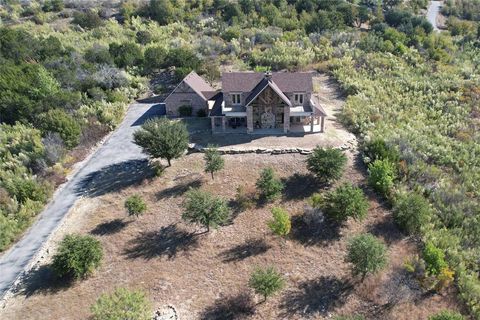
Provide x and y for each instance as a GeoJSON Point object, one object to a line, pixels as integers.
{"type": "Point", "coordinates": [205, 275]}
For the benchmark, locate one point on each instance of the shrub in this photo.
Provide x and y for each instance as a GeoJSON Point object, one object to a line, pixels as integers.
{"type": "Point", "coordinates": [447, 315]}
{"type": "Point", "coordinates": [213, 160]}
{"type": "Point", "coordinates": [201, 113]}
{"type": "Point", "coordinates": [327, 164]}
{"type": "Point", "coordinates": [377, 149]}
{"type": "Point", "coordinates": [367, 255]}
{"type": "Point", "coordinates": [412, 212]}
{"type": "Point", "coordinates": [185, 111]}
{"type": "Point", "coordinates": [269, 185]}
{"type": "Point", "coordinates": [98, 54]}
{"type": "Point", "coordinates": [266, 282]}
{"type": "Point", "coordinates": [162, 138]}
{"type": "Point", "coordinates": [135, 205]}
{"type": "Point", "coordinates": [434, 259]}
{"type": "Point", "coordinates": [381, 175]}
{"type": "Point", "coordinates": [154, 58]}
{"type": "Point", "coordinates": [243, 200]}
{"type": "Point", "coordinates": [122, 304]}
{"type": "Point", "coordinates": [203, 208]}
{"type": "Point", "coordinates": [344, 202]}
{"type": "Point", "coordinates": [87, 20]}
{"type": "Point", "coordinates": [77, 256]}
{"type": "Point", "coordinates": [127, 54]}
{"type": "Point", "coordinates": [53, 5]}
{"type": "Point", "coordinates": [280, 224]}
{"type": "Point", "coordinates": [57, 120]}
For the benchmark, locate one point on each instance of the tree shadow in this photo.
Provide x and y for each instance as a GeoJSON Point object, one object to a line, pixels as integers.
{"type": "Point", "coordinates": [251, 247]}
{"type": "Point", "coordinates": [166, 242]}
{"type": "Point", "coordinates": [300, 186]}
{"type": "Point", "coordinates": [230, 308]}
{"type": "Point", "coordinates": [109, 227]}
{"type": "Point", "coordinates": [115, 177]}
{"type": "Point", "coordinates": [42, 280]}
{"type": "Point", "coordinates": [387, 230]}
{"type": "Point", "coordinates": [179, 189]}
{"type": "Point", "coordinates": [321, 295]}
{"type": "Point", "coordinates": [315, 234]}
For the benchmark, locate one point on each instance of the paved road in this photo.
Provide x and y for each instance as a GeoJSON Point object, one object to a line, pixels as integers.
{"type": "Point", "coordinates": [117, 163]}
{"type": "Point", "coordinates": [432, 13]}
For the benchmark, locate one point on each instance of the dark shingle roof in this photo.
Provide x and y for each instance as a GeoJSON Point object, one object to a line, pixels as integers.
{"type": "Point", "coordinates": [286, 81]}
{"type": "Point", "coordinates": [264, 83]}
{"type": "Point", "coordinates": [217, 106]}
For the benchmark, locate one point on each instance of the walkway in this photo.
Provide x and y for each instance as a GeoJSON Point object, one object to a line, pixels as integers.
{"type": "Point", "coordinates": [432, 13]}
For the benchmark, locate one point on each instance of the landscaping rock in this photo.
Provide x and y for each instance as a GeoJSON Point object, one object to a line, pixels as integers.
{"type": "Point", "coordinates": [166, 313]}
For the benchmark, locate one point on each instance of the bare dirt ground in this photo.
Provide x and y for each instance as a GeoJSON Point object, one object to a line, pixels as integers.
{"type": "Point", "coordinates": [204, 275]}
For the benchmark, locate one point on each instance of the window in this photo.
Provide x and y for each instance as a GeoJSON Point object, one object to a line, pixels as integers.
{"type": "Point", "coordinates": [298, 98]}
{"type": "Point", "coordinates": [236, 98]}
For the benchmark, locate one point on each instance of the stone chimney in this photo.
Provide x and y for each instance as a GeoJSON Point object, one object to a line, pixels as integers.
{"type": "Point", "coordinates": [268, 75]}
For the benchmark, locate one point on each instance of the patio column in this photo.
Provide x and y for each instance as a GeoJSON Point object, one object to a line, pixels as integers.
{"type": "Point", "coordinates": [212, 121]}
{"type": "Point", "coordinates": [311, 123]}
{"type": "Point", "coordinates": [249, 119]}
{"type": "Point", "coordinates": [223, 124]}
{"type": "Point", "coordinates": [286, 119]}
{"type": "Point", "coordinates": [322, 127]}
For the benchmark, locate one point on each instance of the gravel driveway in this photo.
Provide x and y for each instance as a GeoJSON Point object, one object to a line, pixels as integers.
{"type": "Point", "coordinates": [432, 13]}
{"type": "Point", "coordinates": [117, 162]}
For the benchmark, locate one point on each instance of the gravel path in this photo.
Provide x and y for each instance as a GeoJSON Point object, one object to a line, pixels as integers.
{"type": "Point", "coordinates": [432, 13]}
{"type": "Point", "coordinates": [117, 161]}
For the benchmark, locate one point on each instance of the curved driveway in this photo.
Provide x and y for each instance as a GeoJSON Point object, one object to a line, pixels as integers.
{"type": "Point", "coordinates": [432, 13]}
{"type": "Point", "coordinates": [118, 162]}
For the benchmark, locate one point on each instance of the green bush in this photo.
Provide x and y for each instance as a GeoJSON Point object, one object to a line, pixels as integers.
{"type": "Point", "coordinates": [269, 185]}
{"type": "Point", "coordinates": [201, 207]}
{"type": "Point", "coordinates": [127, 54]}
{"type": "Point", "coordinates": [162, 138]}
{"type": "Point", "coordinates": [155, 58]}
{"type": "Point", "coordinates": [57, 120]}
{"type": "Point", "coordinates": [135, 205]}
{"type": "Point", "coordinates": [266, 282]}
{"type": "Point", "coordinates": [213, 160]}
{"type": "Point", "coordinates": [77, 256]}
{"type": "Point", "coordinates": [367, 255]}
{"type": "Point", "coordinates": [411, 212]}
{"type": "Point", "coordinates": [280, 224]}
{"type": "Point", "coordinates": [87, 20]}
{"type": "Point", "coordinates": [201, 113]}
{"type": "Point", "coordinates": [434, 259]}
{"type": "Point", "coordinates": [344, 202]}
{"type": "Point", "coordinates": [122, 304]}
{"type": "Point", "coordinates": [447, 315]}
{"type": "Point", "coordinates": [381, 176]}
{"type": "Point", "coordinates": [185, 111]}
{"type": "Point", "coordinates": [327, 164]}
{"type": "Point", "coordinates": [377, 149]}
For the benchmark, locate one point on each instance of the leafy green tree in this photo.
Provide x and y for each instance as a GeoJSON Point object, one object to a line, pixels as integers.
{"type": "Point", "coordinates": [77, 256]}
{"type": "Point", "coordinates": [162, 11]}
{"type": "Point", "coordinates": [162, 138]}
{"type": "Point", "coordinates": [411, 212]}
{"type": "Point", "coordinates": [266, 282]}
{"type": "Point", "coordinates": [281, 223]}
{"type": "Point", "coordinates": [269, 185]}
{"type": "Point", "coordinates": [213, 160]}
{"type": "Point", "coordinates": [381, 176]}
{"type": "Point", "coordinates": [154, 58]}
{"type": "Point", "coordinates": [327, 164]}
{"type": "Point", "coordinates": [57, 120]}
{"type": "Point", "coordinates": [344, 202]}
{"type": "Point", "coordinates": [183, 57]}
{"type": "Point", "coordinates": [122, 304]}
{"type": "Point", "coordinates": [135, 205]}
{"type": "Point", "coordinates": [53, 5]}
{"type": "Point", "coordinates": [201, 207]}
{"type": "Point", "coordinates": [87, 20]}
{"type": "Point", "coordinates": [434, 259]}
{"type": "Point", "coordinates": [127, 54]}
{"type": "Point", "coordinates": [447, 315]}
{"type": "Point", "coordinates": [377, 149]}
{"type": "Point", "coordinates": [367, 255]}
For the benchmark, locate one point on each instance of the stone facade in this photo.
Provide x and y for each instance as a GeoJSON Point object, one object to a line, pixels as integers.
{"type": "Point", "coordinates": [184, 95]}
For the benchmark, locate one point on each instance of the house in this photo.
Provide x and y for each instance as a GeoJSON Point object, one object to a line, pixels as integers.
{"type": "Point", "coordinates": [253, 102]}
{"type": "Point", "coordinates": [192, 92]}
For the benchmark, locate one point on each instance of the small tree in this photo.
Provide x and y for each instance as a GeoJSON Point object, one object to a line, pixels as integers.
{"type": "Point", "coordinates": [269, 185]}
{"type": "Point", "coordinates": [135, 205]}
{"type": "Point", "coordinates": [327, 164]}
{"type": "Point", "coordinates": [434, 259]}
{"type": "Point", "coordinates": [162, 138]}
{"type": "Point", "coordinates": [367, 255]}
{"type": "Point", "coordinates": [213, 160]}
{"type": "Point", "coordinates": [203, 208]}
{"type": "Point", "coordinates": [77, 256]}
{"type": "Point", "coordinates": [447, 315]}
{"type": "Point", "coordinates": [266, 282]}
{"type": "Point", "coordinates": [412, 212]}
{"type": "Point", "coordinates": [280, 224]}
{"type": "Point", "coordinates": [344, 202]}
{"type": "Point", "coordinates": [122, 304]}
{"type": "Point", "coordinates": [382, 174]}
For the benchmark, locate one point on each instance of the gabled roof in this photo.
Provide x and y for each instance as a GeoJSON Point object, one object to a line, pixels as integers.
{"type": "Point", "coordinates": [286, 81]}
{"type": "Point", "coordinates": [262, 85]}
{"type": "Point", "coordinates": [198, 84]}
{"type": "Point", "coordinates": [217, 106]}
{"type": "Point", "coordinates": [317, 107]}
